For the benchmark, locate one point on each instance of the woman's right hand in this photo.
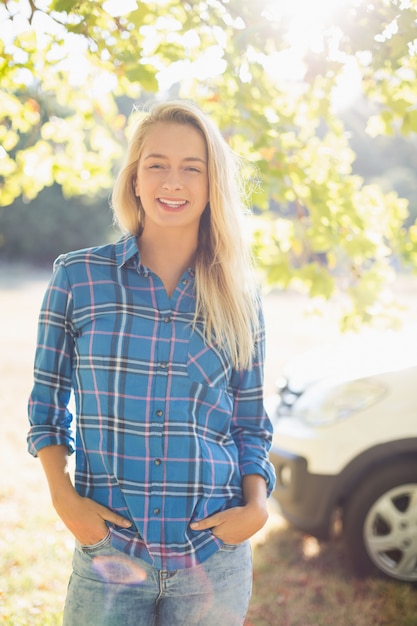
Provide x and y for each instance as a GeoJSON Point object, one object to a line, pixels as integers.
{"type": "Point", "coordinates": [86, 519]}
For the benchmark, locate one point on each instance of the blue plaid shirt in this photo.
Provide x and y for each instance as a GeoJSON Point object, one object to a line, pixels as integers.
{"type": "Point", "coordinates": [165, 427]}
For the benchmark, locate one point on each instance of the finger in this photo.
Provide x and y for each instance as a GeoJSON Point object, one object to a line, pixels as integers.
{"type": "Point", "coordinates": [114, 518]}
{"type": "Point", "coordinates": [208, 522]}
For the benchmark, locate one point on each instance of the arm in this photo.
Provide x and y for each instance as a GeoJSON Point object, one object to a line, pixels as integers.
{"type": "Point", "coordinates": [50, 435]}
{"type": "Point", "coordinates": [251, 430]}
{"type": "Point", "coordinates": [85, 518]}
{"type": "Point", "coordinates": [251, 427]}
{"type": "Point", "coordinates": [49, 417]}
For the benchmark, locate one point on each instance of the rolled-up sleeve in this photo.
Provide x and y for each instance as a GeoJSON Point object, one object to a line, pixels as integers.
{"type": "Point", "coordinates": [251, 427]}
{"type": "Point", "coordinates": [49, 416]}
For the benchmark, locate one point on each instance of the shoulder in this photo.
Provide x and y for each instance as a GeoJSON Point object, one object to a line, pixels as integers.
{"type": "Point", "coordinates": [106, 255]}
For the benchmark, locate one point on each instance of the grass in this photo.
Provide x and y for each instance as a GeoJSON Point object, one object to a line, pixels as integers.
{"type": "Point", "coordinates": [298, 581]}
{"type": "Point", "coordinates": [35, 557]}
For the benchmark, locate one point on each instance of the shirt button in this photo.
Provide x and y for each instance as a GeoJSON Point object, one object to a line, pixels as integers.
{"type": "Point", "coordinates": [164, 364]}
{"type": "Point", "coordinates": [184, 281]}
{"type": "Point", "coordinates": [159, 413]}
{"type": "Point", "coordinates": [158, 461]}
{"type": "Point", "coordinates": [167, 319]}
{"type": "Point", "coordinates": [157, 511]}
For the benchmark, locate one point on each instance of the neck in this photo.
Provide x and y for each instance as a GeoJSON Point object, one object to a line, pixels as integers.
{"type": "Point", "coordinates": [172, 247]}
{"type": "Point", "coordinates": [168, 255]}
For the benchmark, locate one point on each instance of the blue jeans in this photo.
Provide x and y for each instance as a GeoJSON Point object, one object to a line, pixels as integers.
{"type": "Point", "coordinates": [109, 588]}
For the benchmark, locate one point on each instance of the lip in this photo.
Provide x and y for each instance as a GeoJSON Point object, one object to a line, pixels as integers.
{"type": "Point", "coordinates": [172, 204]}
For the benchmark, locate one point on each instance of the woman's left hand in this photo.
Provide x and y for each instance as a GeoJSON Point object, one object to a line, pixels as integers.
{"type": "Point", "coordinates": [235, 525]}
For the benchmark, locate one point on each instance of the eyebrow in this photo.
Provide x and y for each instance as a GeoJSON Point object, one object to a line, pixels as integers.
{"type": "Point", "coordinates": [162, 156]}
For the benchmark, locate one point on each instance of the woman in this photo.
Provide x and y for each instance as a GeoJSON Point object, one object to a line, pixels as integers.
{"type": "Point", "coordinates": [160, 336]}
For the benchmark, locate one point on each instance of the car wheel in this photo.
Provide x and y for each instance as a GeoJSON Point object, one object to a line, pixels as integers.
{"type": "Point", "coordinates": [380, 523]}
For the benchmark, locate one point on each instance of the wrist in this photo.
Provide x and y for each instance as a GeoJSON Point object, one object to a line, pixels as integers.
{"type": "Point", "coordinates": [62, 495]}
{"type": "Point", "coordinates": [257, 506]}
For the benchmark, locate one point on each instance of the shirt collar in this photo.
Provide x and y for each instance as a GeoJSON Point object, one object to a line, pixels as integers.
{"type": "Point", "coordinates": [126, 249]}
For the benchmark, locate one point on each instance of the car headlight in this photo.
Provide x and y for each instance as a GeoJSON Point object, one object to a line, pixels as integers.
{"type": "Point", "coordinates": [327, 401]}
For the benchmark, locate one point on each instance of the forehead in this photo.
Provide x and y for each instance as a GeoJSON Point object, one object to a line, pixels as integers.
{"type": "Point", "coordinates": [165, 138]}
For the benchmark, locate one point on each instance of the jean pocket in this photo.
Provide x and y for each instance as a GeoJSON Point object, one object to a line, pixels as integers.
{"type": "Point", "coordinates": [230, 547]}
{"type": "Point", "coordinates": [89, 549]}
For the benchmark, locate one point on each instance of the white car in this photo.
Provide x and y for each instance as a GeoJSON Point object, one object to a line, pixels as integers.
{"type": "Point", "coordinates": [345, 440]}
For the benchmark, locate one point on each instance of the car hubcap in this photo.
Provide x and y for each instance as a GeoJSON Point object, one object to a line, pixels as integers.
{"type": "Point", "coordinates": [390, 532]}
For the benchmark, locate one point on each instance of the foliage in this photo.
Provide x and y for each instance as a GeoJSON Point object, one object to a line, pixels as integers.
{"type": "Point", "coordinates": [329, 231]}
{"type": "Point", "coordinates": [40, 230]}
{"type": "Point", "coordinates": [388, 161]}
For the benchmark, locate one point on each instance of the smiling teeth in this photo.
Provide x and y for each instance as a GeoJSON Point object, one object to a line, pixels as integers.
{"type": "Point", "coordinates": [172, 203]}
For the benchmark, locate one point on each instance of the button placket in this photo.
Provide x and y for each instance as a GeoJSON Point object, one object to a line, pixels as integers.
{"type": "Point", "coordinates": [163, 345]}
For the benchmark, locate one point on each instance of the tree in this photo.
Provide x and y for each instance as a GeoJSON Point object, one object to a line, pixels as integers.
{"type": "Point", "coordinates": [331, 232]}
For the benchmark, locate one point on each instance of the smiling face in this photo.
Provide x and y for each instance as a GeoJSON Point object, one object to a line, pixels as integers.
{"type": "Point", "coordinates": [172, 177]}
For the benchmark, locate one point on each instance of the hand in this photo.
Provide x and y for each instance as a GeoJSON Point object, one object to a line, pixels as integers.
{"type": "Point", "coordinates": [86, 518]}
{"type": "Point", "coordinates": [234, 525]}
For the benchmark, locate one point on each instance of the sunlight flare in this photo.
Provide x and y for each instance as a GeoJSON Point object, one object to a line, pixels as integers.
{"type": "Point", "coordinates": [308, 21]}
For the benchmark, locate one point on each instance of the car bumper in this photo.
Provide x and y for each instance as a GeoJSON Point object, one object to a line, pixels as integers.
{"type": "Point", "coordinates": [305, 499]}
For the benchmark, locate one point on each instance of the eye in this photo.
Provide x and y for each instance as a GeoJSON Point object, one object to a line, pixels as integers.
{"type": "Point", "coordinates": [156, 166]}
{"type": "Point", "coordinates": [193, 169]}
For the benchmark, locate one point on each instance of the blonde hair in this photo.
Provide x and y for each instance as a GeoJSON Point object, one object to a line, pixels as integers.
{"type": "Point", "coordinates": [226, 294]}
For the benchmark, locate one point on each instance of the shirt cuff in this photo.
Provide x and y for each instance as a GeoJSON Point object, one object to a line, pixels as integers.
{"type": "Point", "coordinates": [268, 473]}
{"type": "Point", "coordinates": [39, 437]}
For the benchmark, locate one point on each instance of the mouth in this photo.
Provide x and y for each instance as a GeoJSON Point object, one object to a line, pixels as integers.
{"type": "Point", "coordinates": [172, 205]}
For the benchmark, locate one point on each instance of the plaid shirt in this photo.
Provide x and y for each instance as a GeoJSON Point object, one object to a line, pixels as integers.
{"type": "Point", "coordinates": [165, 427]}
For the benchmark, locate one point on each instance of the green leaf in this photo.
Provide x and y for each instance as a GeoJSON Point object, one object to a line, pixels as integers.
{"type": "Point", "coordinates": [62, 5]}
{"type": "Point", "coordinates": [144, 75]}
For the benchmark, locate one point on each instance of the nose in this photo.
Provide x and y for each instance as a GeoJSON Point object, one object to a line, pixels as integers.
{"type": "Point", "coordinates": [172, 179]}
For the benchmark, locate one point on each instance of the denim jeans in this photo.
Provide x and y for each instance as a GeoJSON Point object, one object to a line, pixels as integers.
{"type": "Point", "coordinates": [109, 588]}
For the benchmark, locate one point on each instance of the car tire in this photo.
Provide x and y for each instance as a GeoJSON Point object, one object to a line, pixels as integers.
{"type": "Point", "coordinates": [380, 523]}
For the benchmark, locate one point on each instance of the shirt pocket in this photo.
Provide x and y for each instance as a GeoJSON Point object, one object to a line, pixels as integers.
{"type": "Point", "coordinates": [207, 364]}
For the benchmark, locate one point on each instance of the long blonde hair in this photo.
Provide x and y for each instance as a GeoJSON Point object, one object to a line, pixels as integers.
{"type": "Point", "coordinates": [226, 294]}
